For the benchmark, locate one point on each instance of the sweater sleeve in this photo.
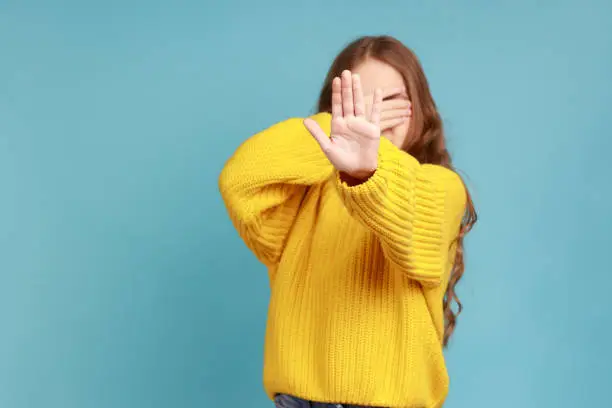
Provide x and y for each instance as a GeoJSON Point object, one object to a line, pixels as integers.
{"type": "Point", "coordinates": [415, 210]}
{"type": "Point", "coordinates": [265, 180]}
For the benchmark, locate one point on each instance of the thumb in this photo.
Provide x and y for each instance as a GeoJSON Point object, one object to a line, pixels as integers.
{"type": "Point", "coordinates": [319, 135]}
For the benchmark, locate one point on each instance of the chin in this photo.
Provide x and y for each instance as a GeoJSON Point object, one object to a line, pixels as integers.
{"type": "Point", "coordinates": [397, 135]}
{"type": "Point", "coordinates": [392, 138]}
{"type": "Point", "coordinates": [388, 134]}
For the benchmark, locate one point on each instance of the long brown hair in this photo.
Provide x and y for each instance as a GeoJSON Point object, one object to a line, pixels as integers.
{"type": "Point", "coordinates": [425, 140]}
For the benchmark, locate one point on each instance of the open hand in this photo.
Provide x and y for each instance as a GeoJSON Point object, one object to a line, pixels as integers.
{"type": "Point", "coordinates": [355, 137]}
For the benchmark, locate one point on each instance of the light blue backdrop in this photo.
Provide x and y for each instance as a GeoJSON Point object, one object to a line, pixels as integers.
{"type": "Point", "coordinates": [122, 282]}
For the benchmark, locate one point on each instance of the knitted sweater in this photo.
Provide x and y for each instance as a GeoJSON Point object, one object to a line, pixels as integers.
{"type": "Point", "coordinates": [357, 273]}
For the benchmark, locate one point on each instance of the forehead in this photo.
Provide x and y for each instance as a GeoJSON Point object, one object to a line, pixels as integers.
{"type": "Point", "coordinates": [377, 74]}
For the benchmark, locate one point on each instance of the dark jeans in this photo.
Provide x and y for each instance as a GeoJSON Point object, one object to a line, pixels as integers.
{"type": "Point", "coordinates": [288, 401]}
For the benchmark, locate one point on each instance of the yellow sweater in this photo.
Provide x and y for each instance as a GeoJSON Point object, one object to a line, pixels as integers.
{"type": "Point", "coordinates": [357, 274]}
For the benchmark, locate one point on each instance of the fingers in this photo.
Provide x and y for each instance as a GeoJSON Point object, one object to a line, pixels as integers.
{"type": "Point", "coordinates": [347, 94]}
{"type": "Point", "coordinates": [390, 118]}
{"type": "Point", "coordinates": [348, 100]}
{"type": "Point", "coordinates": [336, 102]}
{"type": "Point", "coordinates": [396, 104]}
{"type": "Point", "coordinates": [393, 104]}
{"type": "Point", "coordinates": [395, 113]}
{"type": "Point", "coordinates": [391, 123]}
{"type": "Point", "coordinates": [376, 107]}
{"type": "Point", "coordinates": [358, 96]}
{"type": "Point", "coordinates": [319, 135]}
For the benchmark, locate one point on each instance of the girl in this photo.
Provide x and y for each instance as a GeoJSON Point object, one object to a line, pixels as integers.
{"type": "Point", "coordinates": [359, 217]}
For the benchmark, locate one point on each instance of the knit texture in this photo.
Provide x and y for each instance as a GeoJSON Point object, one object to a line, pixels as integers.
{"type": "Point", "coordinates": [357, 273]}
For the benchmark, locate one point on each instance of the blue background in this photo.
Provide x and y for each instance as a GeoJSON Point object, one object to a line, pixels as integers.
{"type": "Point", "coordinates": [122, 282]}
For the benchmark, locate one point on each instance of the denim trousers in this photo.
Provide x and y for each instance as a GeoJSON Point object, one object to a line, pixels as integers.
{"type": "Point", "coordinates": [288, 401]}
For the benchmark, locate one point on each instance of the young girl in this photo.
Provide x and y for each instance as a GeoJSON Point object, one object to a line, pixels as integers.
{"type": "Point", "coordinates": [360, 218]}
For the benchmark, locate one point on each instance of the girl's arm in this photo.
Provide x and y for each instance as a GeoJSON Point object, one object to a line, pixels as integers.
{"type": "Point", "coordinates": [264, 182]}
{"type": "Point", "coordinates": [415, 210]}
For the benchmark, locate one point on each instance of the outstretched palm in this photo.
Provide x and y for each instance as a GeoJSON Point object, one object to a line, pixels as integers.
{"type": "Point", "coordinates": [353, 145]}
